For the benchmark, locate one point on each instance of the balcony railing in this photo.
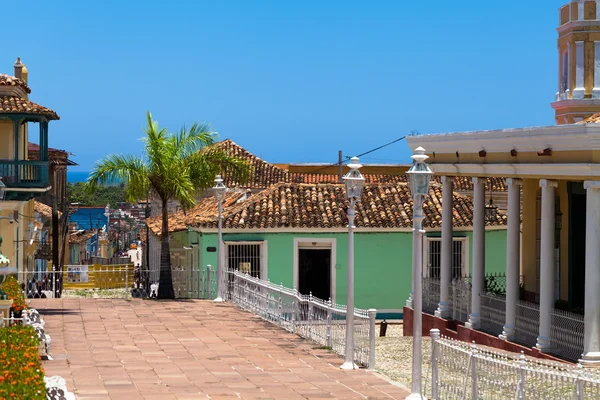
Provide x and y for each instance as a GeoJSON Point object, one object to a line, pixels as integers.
{"type": "Point", "coordinates": [566, 328]}
{"type": "Point", "coordinates": [24, 173]}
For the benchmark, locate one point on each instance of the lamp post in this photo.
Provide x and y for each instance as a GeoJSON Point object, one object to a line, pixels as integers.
{"type": "Point", "coordinates": [354, 184]}
{"type": "Point", "coordinates": [419, 176]}
{"type": "Point", "coordinates": [219, 191]}
{"type": "Point", "coordinates": [107, 215]}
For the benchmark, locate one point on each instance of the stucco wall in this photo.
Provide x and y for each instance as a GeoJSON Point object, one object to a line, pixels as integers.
{"type": "Point", "coordinates": [383, 261]}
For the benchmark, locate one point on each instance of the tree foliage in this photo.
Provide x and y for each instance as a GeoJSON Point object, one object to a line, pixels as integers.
{"type": "Point", "coordinates": [110, 194]}
{"type": "Point", "coordinates": [174, 166]}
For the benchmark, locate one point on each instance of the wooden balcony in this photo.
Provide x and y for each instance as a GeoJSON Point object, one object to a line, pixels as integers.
{"type": "Point", "coordinates": [24, 174]}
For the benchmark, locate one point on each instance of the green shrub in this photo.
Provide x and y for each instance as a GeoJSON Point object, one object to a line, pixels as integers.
{"type": "Point", "coordinates": [21, 372]}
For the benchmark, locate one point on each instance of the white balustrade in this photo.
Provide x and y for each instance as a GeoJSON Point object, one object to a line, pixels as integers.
{"type": "Point", "coordinates": [310, 317]}
{"type": "Point", "coordinates": [461, 370]}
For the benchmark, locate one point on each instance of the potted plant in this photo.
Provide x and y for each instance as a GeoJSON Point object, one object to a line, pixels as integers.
{"type": "Point", "coordinates": [5, 301]}
{"type": "Point", "coordinates": [10, 286]}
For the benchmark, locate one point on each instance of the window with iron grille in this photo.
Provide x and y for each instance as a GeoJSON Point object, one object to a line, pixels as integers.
{"type": "Point", "coordinates": [433, 257]}
{"type": "Point", "coordinates": [245, 257]}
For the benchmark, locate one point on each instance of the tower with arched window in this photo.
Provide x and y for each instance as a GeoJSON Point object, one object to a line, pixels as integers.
{"type": "Point", "coordinates": [578, 95]}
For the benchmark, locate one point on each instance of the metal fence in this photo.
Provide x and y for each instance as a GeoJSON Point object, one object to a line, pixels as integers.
{"type": "Point", "coordinates": [527, 324]}
{"type": "Point", "coordinates": [459, 300]}
{"type": "Point", "coordinates": [312, 318]}
{"type": "Point", "coordinates": [431, 294]}
{"type": "Point", "coordinates": [465, 371]}
{"type": "Point", "coordinates": [493, 313]}
{"type": "Point", "coordinates": [115, 281]}
{"type": "Point", "coordinates": [459, 294]}
{"type": "Point", "coordinates": [566, 334]}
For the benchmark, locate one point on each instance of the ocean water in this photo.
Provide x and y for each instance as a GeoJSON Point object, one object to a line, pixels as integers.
{"type": "Point", "coordinates": [77, 176]}
{"type": "Point", "coordinates": [88, 218]}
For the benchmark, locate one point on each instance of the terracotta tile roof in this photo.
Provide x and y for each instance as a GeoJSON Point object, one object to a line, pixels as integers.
{"type": "Point", "coordinates": [8, 80]}
{"type": "Point", "coordinates": [465, 183]}
{"type": "Point", "coordinates": [593, 119]}
{"type": "Point", "coordinates": [302, 177]}
{"type": "Point", "coordinates": [44, 210]}
{"type": "Point", "coordinates": [205, 209]}
{"type": "Point", "coordinates": [461, 183]}
{"type": "Point", "coordinates": [80, 237]}
{"type": "Point", "coordinates": [288, 205]}
{"type": "Point", "coordinates": [18, 105]}
{"type": "Point", "coordinates": [264, 174]}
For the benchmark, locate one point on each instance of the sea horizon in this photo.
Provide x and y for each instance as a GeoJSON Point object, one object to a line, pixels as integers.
{"type": "Point", "coordinates": [77, 176]}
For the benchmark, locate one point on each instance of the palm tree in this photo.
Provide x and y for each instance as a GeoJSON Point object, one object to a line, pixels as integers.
{"type": "Point", "coordinates": [174, 166]}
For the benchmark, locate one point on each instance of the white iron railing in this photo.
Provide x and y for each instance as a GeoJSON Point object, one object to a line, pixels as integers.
{"type": "Point", "coordinates": [527, 324]}
{"type": "Point", "coordinates": [312, 318]}
{"type": "Point", "coordinates": [464, 371]}
{"type": "Point", "coordinates": [566, 334]}
{"type": "Point", "coordinates": [493, 313]}
{"type": "Point", "coordinates": [460, 300]}
{"type": "Point", "coordinates": [116, 281]}
{"type": "Point", "coordinates": [431, 294]}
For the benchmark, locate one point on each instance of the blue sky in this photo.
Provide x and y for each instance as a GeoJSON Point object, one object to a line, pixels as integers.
{"type": "Point", "coordinates": [291, 81]}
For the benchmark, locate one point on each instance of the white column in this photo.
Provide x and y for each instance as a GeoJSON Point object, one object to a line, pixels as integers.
{"type": "Point", "coordinates": [596, 90]}
{"type": "Point", "coordinates": [591, 341]}
{"type": "Point", "coordinates": [547, 262]}
{"type": "Point", "coordinates": [513, 256]}
{"type": "Point", "coordinates": [569, 68]}
{"type": "Point", "coordinates": [478, 275]}
{"type": "Point", "coordinates": [446, 264]}
{"type": "Point", "coordinates": [579, 90]}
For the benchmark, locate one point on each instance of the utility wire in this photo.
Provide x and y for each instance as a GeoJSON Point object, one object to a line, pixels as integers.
{"type": "Point", "coordinates": [360, 155]}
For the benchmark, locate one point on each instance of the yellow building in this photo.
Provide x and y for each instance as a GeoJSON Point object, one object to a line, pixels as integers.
{"type": "Point", "coordinates": [553, 184]}
{"type": "Point", "coordinates": [24, 180]}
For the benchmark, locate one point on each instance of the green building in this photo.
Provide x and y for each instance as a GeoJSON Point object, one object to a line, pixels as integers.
{"type": "Point", "coordinates": [295, 234]}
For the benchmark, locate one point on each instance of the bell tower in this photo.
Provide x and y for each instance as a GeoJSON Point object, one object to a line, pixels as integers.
{"type": "Point", "coordinates": [578, 95]}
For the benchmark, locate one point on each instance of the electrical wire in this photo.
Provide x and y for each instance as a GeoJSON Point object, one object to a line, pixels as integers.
{"type": "Point", "coordinates": [360, 155]}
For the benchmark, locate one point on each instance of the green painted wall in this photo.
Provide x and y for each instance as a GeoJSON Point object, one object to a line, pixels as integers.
{"type": "Point", "coordinates": [383, 261]}
{"type": "Point", "coordinates": [495, 249]}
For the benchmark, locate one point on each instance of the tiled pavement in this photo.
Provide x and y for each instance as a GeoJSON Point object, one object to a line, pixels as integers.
{"type": "Point", "coordinates": [118, 349]}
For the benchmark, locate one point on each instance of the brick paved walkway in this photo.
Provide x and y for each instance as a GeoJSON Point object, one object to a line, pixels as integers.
{"type": "Point", "coordinates": [117, 349]}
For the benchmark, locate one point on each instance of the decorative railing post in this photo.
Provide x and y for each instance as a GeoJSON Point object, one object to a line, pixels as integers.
{"type": "Point", "coordinates": [126, 281]}
{"type": "Point", "coordinates": [294, 306]}
{"type": "Point", "coordinates": [579, 390]}
{"type": "Point", "coordinates": [328, 338]}
{"type": "Point", "coordinates": [473, 371]}
{"type": "Point", "coordinates": [281, 318]}
{"type": "Point", "coordinates": [522, 375]}
{"type": "Point", "coordinates": [372, 313]}
{"type": "Point", "coordinates": [454, 300]}
{"type": "Point", "coordinates": [435, 348]}
{"type": "Point", "coordinates": [310, 311]}
{"type": "Point", "coordinates": [208, 283]}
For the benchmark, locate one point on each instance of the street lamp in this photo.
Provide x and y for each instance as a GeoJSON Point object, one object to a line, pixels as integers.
{"type": "Point", "coordinates": [419, 176]}
{"type": "Point", "coordinates": [491, 210]}
{"type": "Point", "coordinates": [107, 215]}
{"type": "Point", "coordinates": [219, 192]}
{"type": "Point", "coordinates": [354, 184]}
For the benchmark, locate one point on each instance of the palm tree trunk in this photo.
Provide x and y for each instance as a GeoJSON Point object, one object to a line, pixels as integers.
{"type": "Point", "coordinates": [165, 282]}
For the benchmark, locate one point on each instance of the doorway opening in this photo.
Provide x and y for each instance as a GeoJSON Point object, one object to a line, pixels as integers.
{"type": "Point", "coordinates": [314, 272]}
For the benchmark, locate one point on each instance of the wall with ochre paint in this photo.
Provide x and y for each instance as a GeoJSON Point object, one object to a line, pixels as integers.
{"type": "Point", "coordinates": [383, 261]}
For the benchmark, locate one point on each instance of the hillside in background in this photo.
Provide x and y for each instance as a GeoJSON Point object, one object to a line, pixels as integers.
{"type": "Point", "coordinates": [103, 195]}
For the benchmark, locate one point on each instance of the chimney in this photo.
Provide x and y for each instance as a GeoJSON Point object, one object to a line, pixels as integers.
{"type": "Point", "coordinates": [18, 68]}
{"type": "Point", "coordinates": [25, 73]}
